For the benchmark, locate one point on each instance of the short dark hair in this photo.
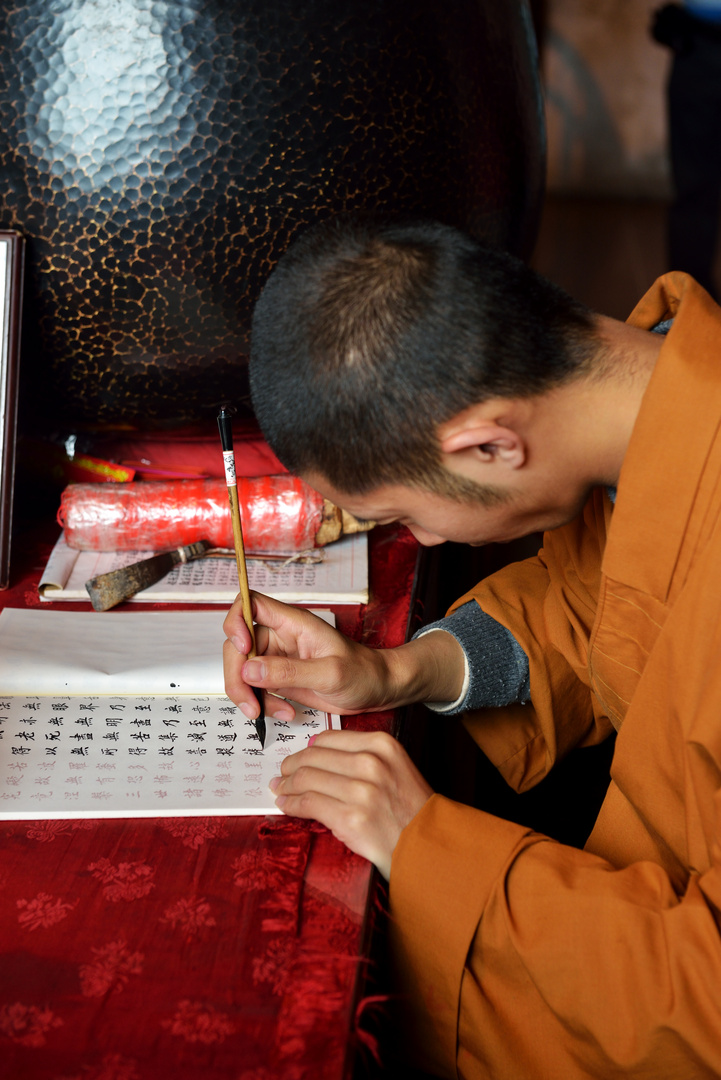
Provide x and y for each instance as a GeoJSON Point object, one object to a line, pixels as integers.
{"type": "Point", "coordinates": [368, 336]}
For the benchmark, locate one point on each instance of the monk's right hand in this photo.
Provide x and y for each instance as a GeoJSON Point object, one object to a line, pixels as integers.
{"type": "Point", "coordinates": [302, 658]}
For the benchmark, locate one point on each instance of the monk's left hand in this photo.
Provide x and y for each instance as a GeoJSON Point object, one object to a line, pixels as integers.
{"type": "Point", "coordinates": [361, 785]}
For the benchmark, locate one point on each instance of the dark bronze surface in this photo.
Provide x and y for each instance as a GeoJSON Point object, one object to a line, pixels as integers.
{"type": "Point", "coordinates": [160, 155]}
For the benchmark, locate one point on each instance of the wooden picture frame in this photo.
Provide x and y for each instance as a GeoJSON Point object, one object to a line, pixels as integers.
{"type": "Point", "coordinates": [12, 253]}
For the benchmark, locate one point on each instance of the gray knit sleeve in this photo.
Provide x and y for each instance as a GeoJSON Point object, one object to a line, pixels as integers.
{"type": "Point", "coordinates": [497, 670]}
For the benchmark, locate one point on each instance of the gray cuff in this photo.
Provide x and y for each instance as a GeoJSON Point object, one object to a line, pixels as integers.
{"type": "Point", "coordinates": [497, 671]}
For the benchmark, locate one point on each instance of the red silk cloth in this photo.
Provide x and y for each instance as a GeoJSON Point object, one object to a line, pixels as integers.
{"type": "Point", "coordinates": [221, 948]}
{"type": "Point", "coordinates": [279, 514]}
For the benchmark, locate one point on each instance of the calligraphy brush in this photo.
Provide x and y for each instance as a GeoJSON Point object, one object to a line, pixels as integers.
{"type": "Point", "coordinates": [226, 440]}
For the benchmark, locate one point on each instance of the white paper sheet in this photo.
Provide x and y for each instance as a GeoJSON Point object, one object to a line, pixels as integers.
{"type": "Point", "coordinates": [149, 652]}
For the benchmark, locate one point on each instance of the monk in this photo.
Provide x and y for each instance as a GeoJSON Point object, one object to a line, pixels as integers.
{"type": "Point", "coordinates": [411, 374]}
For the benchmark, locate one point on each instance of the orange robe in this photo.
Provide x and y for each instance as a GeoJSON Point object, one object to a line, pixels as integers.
{"type": "Point", "coordinates": [524, 958]}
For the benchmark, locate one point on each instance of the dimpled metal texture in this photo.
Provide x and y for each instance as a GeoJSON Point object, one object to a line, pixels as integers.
{"type": "Point", "coordinates": [160, 155]}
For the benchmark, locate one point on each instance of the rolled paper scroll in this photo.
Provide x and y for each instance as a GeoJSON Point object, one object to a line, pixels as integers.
{"type": "Point", "coordinates": [280, 514]}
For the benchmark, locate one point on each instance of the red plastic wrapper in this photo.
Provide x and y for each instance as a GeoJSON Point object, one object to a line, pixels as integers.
{"type": "Point", "coordinates": [279, 514]}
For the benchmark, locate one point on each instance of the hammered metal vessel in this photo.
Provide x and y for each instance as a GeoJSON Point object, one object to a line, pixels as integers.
{"type": "Point", "coordinates": [159, 155]}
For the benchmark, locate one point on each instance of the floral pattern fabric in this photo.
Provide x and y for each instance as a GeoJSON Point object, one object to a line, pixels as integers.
{"type": "Point", "coordinates": [227, 948]}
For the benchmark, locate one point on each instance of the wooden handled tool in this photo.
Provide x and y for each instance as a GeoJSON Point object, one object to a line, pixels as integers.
{"type": "Point", "coordinates": [107, 590]}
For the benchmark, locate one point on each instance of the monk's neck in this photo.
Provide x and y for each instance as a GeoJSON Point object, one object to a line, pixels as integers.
{"type": "Point", "coordinates": [613, 397]}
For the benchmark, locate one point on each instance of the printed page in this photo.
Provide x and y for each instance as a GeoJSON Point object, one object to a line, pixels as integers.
{"type": "Point", "coordinates": [339, 576]}
{"type": "Point", "coordinates": [170, 756]}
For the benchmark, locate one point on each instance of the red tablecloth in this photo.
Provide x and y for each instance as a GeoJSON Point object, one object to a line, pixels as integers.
{"type": "Point", "coordinates": [215, 948]}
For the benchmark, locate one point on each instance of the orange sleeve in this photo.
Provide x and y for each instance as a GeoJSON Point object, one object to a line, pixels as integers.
{"type": "Point", "coordinates": [519, 956]}
{"type": "Point", "coordinates": [549, 604]}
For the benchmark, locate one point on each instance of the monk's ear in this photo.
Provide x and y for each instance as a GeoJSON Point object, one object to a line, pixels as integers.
{"type": "Point", "coordinates": [486, 441]}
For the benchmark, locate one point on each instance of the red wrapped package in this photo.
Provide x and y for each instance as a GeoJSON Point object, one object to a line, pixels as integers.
{"type": "Point", "coordinates": [279, 514]}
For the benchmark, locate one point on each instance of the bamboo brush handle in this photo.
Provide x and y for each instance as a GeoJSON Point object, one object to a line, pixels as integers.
{"type": "Point", "coordinates": [242, 568]}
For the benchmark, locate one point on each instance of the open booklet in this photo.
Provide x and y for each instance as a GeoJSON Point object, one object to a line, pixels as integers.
{"type": "Point", "coordinates": [125, 716]}
{"type": "Point", "coordinates": [338, 576]}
